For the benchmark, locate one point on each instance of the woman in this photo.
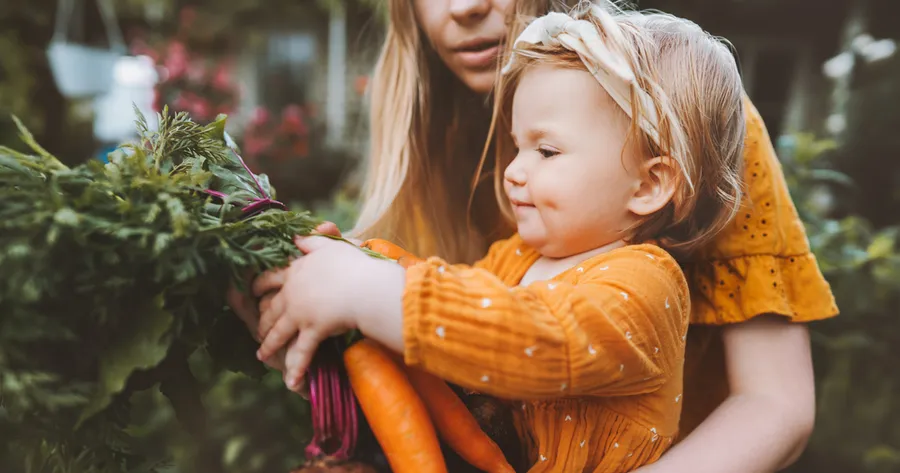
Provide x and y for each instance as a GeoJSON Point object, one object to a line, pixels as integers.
{"type": "Point", "coordinates": [751, 294]}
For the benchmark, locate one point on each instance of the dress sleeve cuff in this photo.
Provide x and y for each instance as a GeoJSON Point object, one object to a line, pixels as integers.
{"type": "Point", "coordinates": [728, 291]}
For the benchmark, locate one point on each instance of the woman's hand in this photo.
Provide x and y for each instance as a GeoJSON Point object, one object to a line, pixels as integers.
{"type": "Point", "coordinates": [332, 289]}
{"type": "Point", "coordinates": [246, 309]}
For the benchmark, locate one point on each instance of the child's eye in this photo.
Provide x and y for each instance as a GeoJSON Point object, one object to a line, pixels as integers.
{"type": "Point", "coordinates": [547, 152]}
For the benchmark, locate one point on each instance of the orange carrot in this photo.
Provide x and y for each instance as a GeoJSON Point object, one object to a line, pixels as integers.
{"type": "Point", "coordinates": [392, 251]}
{"type": "Point", "coordinates": [396, 414]}
{"type": "Point", "coordinates": [456, 425]}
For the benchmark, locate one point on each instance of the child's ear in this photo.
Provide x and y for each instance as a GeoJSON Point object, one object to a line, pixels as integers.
{"type": "Point", "coordinates": [657, 186]}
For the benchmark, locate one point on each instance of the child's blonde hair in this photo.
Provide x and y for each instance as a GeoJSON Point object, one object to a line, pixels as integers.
{"type": "Point", "coordinates": [693, 93]}
{"type": "Point", "coordinates": [426, 132]}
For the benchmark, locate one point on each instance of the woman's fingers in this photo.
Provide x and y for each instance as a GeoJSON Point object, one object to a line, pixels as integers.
{"type": "Point", "coordinates": [269, 281]}
{"type": "Point", "coordinates": [265, 304]}
{"type": "Point", "coordinates": [277, 338]}
{"type": "Point", "coordinates": [270, 314]}
{"type": "Point", "coordinates": [245, 308]}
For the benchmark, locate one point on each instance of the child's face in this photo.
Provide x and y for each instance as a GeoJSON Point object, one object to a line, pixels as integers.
{"type": "Point", "coordinates": [571, 185]}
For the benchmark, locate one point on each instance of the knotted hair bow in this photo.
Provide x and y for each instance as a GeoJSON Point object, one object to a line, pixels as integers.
{"type": "Point", "coordinates": [607, 64]}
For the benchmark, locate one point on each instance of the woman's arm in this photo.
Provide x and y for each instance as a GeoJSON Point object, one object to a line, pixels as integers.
{"type": "Point", "coordinates": [764, 424]}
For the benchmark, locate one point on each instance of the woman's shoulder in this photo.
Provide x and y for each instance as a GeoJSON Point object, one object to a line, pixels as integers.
{"type": "Point", "coordinates": [762, 262]}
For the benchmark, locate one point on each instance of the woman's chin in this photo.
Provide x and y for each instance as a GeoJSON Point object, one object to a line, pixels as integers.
{"type": "Point", "coordinates": [479, 81]}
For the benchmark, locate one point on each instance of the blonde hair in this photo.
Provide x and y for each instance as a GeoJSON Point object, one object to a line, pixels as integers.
{"type": "Point", "coordinates": [427, 133]}
{"type": "Point", "coordinates": [693, 82]}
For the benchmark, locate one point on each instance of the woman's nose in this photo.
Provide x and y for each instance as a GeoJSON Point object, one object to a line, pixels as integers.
{"type": "Point", "coordinates": [466, 12]}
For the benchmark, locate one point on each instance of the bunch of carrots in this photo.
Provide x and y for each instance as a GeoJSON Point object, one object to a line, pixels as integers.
{"type": "Point", "coordinates": [407, 409]}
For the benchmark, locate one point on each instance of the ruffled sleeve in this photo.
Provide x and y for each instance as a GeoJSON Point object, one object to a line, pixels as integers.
{"type": "Point", "coordinates": [762, 263]}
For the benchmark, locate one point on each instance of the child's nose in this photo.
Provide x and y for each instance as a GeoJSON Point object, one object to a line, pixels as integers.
{"type": "Point", "coordinates": [515, 173]}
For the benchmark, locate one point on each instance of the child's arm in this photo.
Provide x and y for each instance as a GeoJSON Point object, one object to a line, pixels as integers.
{"type": "Point", "coordinates": [618, 331]}
{"type": "Point", "coordinates": [765, 422]}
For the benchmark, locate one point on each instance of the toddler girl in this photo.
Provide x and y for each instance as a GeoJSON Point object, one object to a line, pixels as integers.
{"type": "Point", "coordinates": [628, 132]}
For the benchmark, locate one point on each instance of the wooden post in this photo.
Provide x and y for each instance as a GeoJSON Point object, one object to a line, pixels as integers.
{"type": "Point", "coordinates": [840, 68]}
{"type": "Point", "coordinates": [336, 103]}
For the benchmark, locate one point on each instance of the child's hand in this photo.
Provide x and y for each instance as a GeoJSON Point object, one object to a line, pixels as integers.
{"type": "Point", "coordinates": [333, 289]}
{"type": "Point", "coordinates": [248, 307]}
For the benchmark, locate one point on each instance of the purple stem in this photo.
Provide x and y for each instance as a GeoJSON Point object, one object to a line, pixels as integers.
{"type": "Point", "coordinates": [253, 176]}
{"type": "Point", "coordinates": [218, 194]}
{"type": "Point", "coordinates": [256, 203]}
{"type": "Point", "coordinates": [338, 410]}
{"type": "Point", "coordinates": [333, 405]}
{"type": "Point", "coordinates": [348, 439]}
{"type": "Point", "coordinates": [314, 449]}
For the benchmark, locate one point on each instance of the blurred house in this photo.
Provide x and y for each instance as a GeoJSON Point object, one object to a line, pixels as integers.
{"type": "Point", "coordinates": [783, 47]}
{"type": "Point", "coordinates": [320, 62]}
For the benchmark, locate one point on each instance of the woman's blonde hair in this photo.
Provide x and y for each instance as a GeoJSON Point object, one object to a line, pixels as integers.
{"type": "Point", "coordinates": [694, 85]}
{"type": "Point", "coordinates": [427, 132]}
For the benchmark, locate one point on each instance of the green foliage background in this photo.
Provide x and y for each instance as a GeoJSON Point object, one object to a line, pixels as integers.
{"type": "Point", "coordinates": [856, 354]}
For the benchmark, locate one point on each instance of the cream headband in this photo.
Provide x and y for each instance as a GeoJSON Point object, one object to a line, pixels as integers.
{"type": "Point", "coordinates": [610, 68]}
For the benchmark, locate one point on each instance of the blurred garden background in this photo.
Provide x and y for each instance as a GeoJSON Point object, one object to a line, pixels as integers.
{"type": "Point", "coordinates": [292, 76]}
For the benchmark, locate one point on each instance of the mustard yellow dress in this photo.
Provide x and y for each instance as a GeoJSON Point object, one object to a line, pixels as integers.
{"type": "Point", "coordinates": [761, 264]}
{"type": "Point", "coordinates": [591, 359]}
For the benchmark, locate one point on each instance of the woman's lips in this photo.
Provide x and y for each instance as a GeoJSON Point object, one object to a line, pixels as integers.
{"type": "Point", "coordinates": [478, 56]}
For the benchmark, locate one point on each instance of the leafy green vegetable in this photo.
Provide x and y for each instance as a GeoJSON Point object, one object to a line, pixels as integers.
{"type": "Point", "coordinates": [112, 275]}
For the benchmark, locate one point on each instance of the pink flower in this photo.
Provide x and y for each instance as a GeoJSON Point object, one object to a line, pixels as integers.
{"type": "Point", "coordinates": [176, 62]}
{"type": "Point", "coordinates": [293, 120]}
{"type": "Point", "coordinates": [196, 71]}
{"type": "Point", "coordinates": [254, 146]}
{"type": "Point", "coordinates": [224, 109]}
{"type": "Point", "coordinates": [201, 109]}
{"type": "Point", "coordinates": [222, 77]}
{"type": "Point", "coordinates": [260, 116]}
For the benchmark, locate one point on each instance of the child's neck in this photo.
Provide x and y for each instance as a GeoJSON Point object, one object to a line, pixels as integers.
{"type": "Point", "coordinates": [546, 268]}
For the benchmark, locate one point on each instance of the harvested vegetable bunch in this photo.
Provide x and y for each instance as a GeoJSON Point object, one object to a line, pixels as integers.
{"type": "Point", "coordinates": [112, 275]}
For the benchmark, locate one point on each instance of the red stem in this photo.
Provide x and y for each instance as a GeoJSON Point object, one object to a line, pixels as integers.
{"type": "Point", "coordinates": [314, 449]}
{"type": "Point", "coordinates": [333, 406]}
